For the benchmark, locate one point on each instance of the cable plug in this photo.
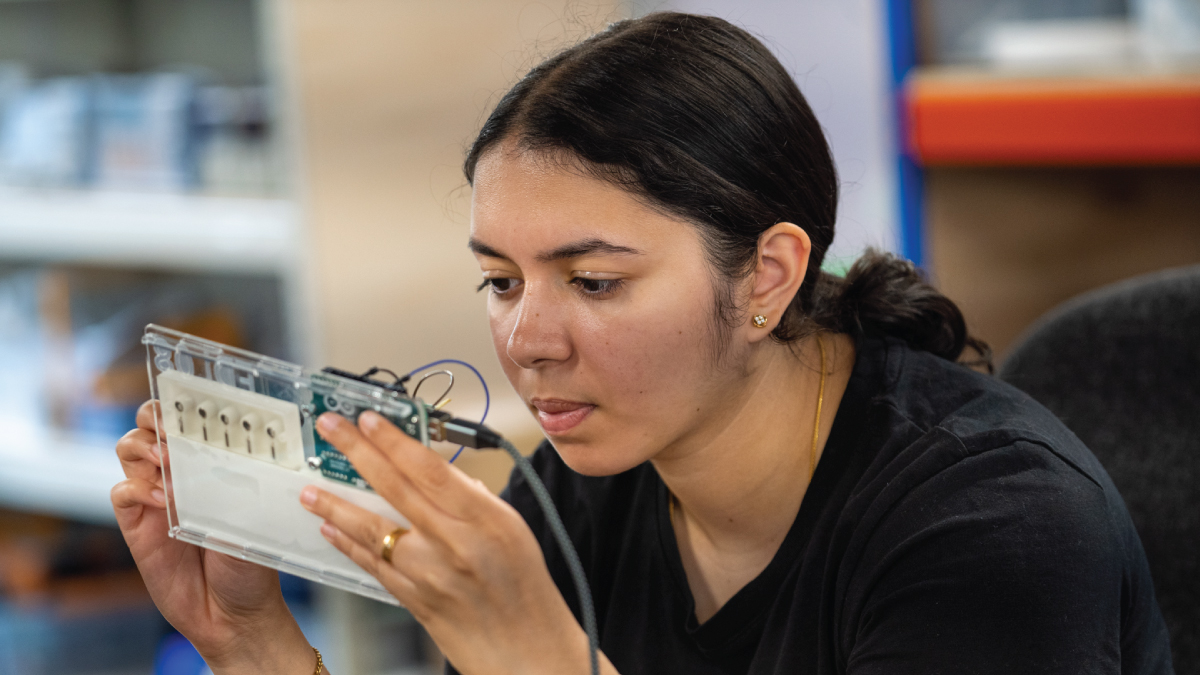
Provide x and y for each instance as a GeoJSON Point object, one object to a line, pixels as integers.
{"type": "Point", "coordinates": [455, 430]}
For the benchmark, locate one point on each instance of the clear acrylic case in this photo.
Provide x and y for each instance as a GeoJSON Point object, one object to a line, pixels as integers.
{"type": "Point", "coordinates": [240, 446]}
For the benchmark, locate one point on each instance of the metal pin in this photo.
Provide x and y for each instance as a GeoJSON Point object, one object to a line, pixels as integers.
{"type": "Point", "coordinates": [273, 431]}
{"type": "Point", "coordinates": [205, 409]}
{"type": "Point", "coordinates": [250, 424]}
{"type": "Point", "coordinates": [182, 405]}
{"type": "Point", "coordinates": [226, 416]}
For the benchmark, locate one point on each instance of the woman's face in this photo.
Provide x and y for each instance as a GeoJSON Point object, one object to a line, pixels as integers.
{"type": "Point", "coordinates": [601, 311]}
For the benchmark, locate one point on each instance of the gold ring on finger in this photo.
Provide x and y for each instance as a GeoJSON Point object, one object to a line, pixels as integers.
{"type": "Point", "coordinates": [389, 543]}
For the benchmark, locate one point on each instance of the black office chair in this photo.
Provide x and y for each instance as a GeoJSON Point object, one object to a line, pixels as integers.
{"type": "Point", "coordinates": [1121, 367]}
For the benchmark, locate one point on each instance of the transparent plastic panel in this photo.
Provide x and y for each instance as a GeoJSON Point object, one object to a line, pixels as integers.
{"type": "Point", "coordinates": [240, 446]}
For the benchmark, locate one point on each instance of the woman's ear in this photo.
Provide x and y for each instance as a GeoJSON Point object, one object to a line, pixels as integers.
{"type": "Point", "coordinates": [783, 252]}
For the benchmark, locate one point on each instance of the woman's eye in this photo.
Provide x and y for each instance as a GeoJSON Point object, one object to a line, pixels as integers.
{"type": "Point", "coordinates": [597, 287]}
{"type": "Point", "coordinates": [499, 285]}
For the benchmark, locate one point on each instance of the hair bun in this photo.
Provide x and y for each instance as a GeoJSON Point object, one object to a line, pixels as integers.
{"type": "Point", "coordinates": [883, 295]}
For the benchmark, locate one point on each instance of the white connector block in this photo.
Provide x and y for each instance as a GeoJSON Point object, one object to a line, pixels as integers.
{"type": "Point", "coordinates": [226, 417]}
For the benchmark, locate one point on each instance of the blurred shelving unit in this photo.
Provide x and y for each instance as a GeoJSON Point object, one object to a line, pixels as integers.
{"type": "Point", "coordinates": [181, 205]}
{"type": "Point", "coordinates": [59, 476]}
{"type": "Point", "coordinates": [163, 231]}
{"type": "Point", "coordinates": [1041, 184]}
{"type": "Point", "coordinates": [54, 472]}
{"type": "Point", "coordinates": [1056, 145]}
{"type": "Point", "coordinates": [964, 116]}
{"type": "Point", "coordinates": [200, 233]}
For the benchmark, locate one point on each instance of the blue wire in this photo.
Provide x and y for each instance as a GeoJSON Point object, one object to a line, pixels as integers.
{"type": "Point", "coordinates": [487, 396]}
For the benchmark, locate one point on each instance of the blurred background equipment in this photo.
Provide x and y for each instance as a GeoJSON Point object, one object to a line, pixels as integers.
{"type": "Point", "coordinates": [1054, 33]}
{"type": "Point", "coordinates": [71, 600]}
{"type": "Point", "coordinates": [43, 139]}
{"type": "Point", "coordinates": [137, 94]}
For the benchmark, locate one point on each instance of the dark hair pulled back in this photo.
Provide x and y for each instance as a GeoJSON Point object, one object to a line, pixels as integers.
{"type": "Point", "coordinates": [696, 116]}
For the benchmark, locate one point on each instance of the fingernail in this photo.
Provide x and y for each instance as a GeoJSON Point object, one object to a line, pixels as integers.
{"type": "Point", "coordinates": [308, 496]}
{"type": "Point", "coordinates": [157, 448]}
{"type": "Point", "coordinates": [158, 496]}
{"type": "Point", "coordinates": [328, 530]}
{"type": "Point", "coordinates": [327, 422]}
{"type": "Point", "coordinates": [369, 420]}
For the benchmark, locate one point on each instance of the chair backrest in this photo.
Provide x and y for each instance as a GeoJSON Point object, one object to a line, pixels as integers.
{"type": "Point", "coordinates": [1121, 367]}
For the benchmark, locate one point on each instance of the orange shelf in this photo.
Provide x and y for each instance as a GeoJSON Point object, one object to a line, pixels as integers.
{"type": "Point", "coordinates": [964, 118]}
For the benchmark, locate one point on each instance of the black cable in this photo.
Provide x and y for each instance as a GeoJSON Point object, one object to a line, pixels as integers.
{"type": "Point", "coordinates": [564, 541]}
{"type": "Point", "coordinates": [396, 386]}
{"type": "Point", "coordinates": [478, 436]}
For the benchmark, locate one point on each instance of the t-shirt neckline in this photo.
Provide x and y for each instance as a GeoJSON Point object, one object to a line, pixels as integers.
{"type": "Point", "coordinates": [741, 618]}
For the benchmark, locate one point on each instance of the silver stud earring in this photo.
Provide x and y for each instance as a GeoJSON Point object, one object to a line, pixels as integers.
{"type": "Point", "coordinates": [759, 320]}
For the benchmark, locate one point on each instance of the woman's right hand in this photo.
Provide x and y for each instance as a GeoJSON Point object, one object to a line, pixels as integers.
{"type": "Point", "coordinates": [231, 610]}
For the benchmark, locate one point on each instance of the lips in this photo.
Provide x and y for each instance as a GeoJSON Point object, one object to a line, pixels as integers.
{"type": "Point", "coordinates": [558, 416]}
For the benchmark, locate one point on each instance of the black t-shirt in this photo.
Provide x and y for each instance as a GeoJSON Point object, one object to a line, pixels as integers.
{"type": "Point", "coordinates": [953, 525]}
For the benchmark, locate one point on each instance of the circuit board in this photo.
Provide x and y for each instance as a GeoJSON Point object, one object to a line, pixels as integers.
{"type": "Point", "coordinates": [333, 464]}
{"type": "Point", "coordinates": [241, 446]}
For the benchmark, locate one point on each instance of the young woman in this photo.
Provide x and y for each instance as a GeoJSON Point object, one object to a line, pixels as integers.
{"type": "Point", "coordinates": [765, 469]}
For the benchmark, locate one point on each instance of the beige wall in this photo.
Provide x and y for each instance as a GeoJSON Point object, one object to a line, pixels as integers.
{"type": "Point", "coordinates": [390, 93]}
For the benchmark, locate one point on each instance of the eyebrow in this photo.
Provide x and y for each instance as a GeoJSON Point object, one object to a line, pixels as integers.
{"type": "Point", "coordinates": [483, 249]}
{"type": "Point", "coordinates": [576, 249]}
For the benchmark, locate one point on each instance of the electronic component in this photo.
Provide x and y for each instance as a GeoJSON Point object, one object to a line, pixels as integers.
{"type": "Point", "coordinates": [240, 445]}
{"type": "Point", "coordinates": [239, 423]}
{"type": "Point", "coordinates": [410, 418]}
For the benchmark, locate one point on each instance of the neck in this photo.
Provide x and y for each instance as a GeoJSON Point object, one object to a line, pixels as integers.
{"type": "Point", "coordinates": [739, 485]}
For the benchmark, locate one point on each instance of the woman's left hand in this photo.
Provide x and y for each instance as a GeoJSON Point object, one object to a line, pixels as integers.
{"type": "Point", "coordinates": [470, 569]}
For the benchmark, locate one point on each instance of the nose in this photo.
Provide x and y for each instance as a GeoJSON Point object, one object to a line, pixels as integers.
{"type": "Point", "coordinates": [539, 336]}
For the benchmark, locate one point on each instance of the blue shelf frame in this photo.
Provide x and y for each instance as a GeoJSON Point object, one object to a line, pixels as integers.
{"type": "Point", "coordinates": [902, 44]}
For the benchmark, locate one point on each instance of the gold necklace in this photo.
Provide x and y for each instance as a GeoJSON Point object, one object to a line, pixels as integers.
{"type": "Point", "coordinates": [812, 455]}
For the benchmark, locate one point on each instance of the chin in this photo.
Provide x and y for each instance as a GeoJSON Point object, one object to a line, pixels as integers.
{"type": "Point", "coordinates": [595, 458]}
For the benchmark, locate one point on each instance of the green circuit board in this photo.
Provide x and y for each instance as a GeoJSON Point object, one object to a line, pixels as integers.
{"type": "Point", "coordinates": [408, 415]}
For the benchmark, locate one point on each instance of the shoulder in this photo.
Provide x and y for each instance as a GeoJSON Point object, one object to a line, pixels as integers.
{"type": "Point", "coordinates": [964, 445]}
{"type": "Point", "coordinates": [953, 414]}
{"type": "Point", "coordinates": [979, 514]}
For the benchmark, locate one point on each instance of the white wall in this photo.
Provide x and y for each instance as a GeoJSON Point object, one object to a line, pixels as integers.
{"type": "Point", "coordinates": [837, 52]}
